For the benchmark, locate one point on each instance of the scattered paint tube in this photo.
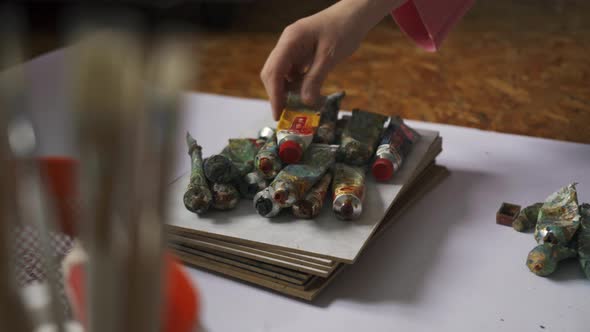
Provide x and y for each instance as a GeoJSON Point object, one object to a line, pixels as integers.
{"type": "Point", "coordinates": [584, 240]}
{"type": "Point", "coordinates": [349, 191]}
{"type": "Point", "coordinates": [294, 181]}
{"type": "Point", "coordinates": [311, 205]}
{"type": "Point", "coordinates": [527, 218]}
{"type": "Point", "coordinates": [544, 258]}
{"type": "Point", "coordinates": [225, 196]}
{"type": "Point", "coordinates": [267, 160]}
{"type": "Point", "coordinates": [197, 197]}
{"type": "Point", "coordinates": [326, 132]}
{"type": "Point", "coordinates": [360, 137]}
{"type": "Point", "coordinates": [295, 130]}
{"type": "Point", "coordinates": [393, 150]}
{"type": "Point", "coordinates": [265, 205]}
{"type": "Point", "coordinates": [559, 217]}
{"type": "Point", "coordinates": [236, 160]}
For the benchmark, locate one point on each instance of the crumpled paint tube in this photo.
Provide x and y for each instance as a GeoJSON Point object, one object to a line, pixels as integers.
{"type": "Point", "coordinates": [225, 196]}
{"type": "Point", "coordinates": [311, 205]}
{"type": "Point", "coordinates": [265, 205]}
{"type": "Point", "coordinates": [349, 191]}
{"type": "Point", "coordinates": [543, 259]}
{"type": "Point", "coordinates": [527, 218]}
{"type": "Point", "coordinates": [584, 239]}
{"type": "Point", "coordinates": [296, 129]}
{"type": "Point", "coordinates": [197, 197]}
{"type": "Point", "coordinates": [267, 160]}
{"type": "Point", "coordinates": [294, 181]}
{"type": "Point", "coordinates": [236, 160]}
{"type": "Point", "coordinates": [341, 124]}
{"type": "Point", "coordinates": [395, 146]}
{"type": "Point", "coordinates": [559, 217]}
{"type": "Point", "coordinates": [360, 137]}
{"type": "Point", "coordinates": [326, 132]}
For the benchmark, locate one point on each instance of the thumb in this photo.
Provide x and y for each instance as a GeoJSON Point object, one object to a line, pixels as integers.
{"type": "Point", "coordinates": [313, 80]}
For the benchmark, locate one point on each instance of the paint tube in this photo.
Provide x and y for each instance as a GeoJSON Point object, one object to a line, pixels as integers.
{"type": "Point", "coordinates": [265, 204]}
{"type": "Point", "coordinates": [310, 206]}
{"type": "Point", "coordinates": [236, 160]}
{"type": "Point", "coordinates": [267, 160]}
{"type": "Point", "coordinates": [544, 258]}
{"type": "Point", "coordinates": [197, 197]}
{"type": "Point", "coordinates": [395, 146]}
{"type": "Point", "coordinates": [360, 137]}
{"type": "Point", "coordinates": [584, 239]}
{"type": "Point", "coordinates": [341, 124]}
{"type": "Point", "coordinates": [251, 184]}
{"type": "Point", "coordinates": [295, 130]}
{"type": "Point", "coordinates": [294, 181]}
{"type": "Point", "coordinates": [225, 196]}
{"type": "Point", "coordinates": [326, 132]}
{"type": "Point", "coordinates": [527, 218]}
{"type": "Point", "coordinates": [349, 191]}
{"type": "Point", "coordinates": [559, 217]}
{"type": "Point", "coordinates": [266, 133]}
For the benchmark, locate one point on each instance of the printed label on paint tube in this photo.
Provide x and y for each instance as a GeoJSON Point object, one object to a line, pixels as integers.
{"type": "Point", "coordinates": [349, 180]}
{"type": "Point", "coordinates": [299, 125]}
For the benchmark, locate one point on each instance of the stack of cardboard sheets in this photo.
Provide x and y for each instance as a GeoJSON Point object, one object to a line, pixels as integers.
{"type": "Point", "coordinates": [298, 257]}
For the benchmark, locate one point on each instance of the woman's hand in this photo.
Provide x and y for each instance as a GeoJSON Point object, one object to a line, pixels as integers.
{"type": "Point", "coordinates": [309, 48]}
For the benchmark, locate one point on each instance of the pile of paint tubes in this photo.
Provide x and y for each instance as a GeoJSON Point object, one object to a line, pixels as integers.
{"type": "Point", "coordinates": [294, 167]}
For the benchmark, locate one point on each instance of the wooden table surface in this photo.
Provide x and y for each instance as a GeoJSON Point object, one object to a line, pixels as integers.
{"type": "Point", "coordinates": [515, 66]}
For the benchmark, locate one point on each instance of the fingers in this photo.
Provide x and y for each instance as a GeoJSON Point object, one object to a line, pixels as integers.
{"type": "Point", "coordinates": [314, 78]}
{"type": "Point", "coordinates": [286, 62]}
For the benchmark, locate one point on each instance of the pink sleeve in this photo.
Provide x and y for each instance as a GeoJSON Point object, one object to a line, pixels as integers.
{"type": "Point", "coordinates": [428, 22]}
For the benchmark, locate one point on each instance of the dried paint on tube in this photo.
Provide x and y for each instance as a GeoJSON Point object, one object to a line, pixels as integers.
{"type": "Point", "coordinates": [294, 181]}
{"type": "Point", "coordinates": [225, 196]}
{"type": "Point", "coordinates": [265, 204]}
{"type": "Point", "coordinates": [197, 197]}
{"type": "Point", "coordinates": [311, 205]}
{"type": "Point", "coordinates": [395, 146]}
{"type": "Point", "coordinates": [267, 160]}
{"type": "Point", "coordinates": [326, 132]}
{"type": "Point", "coordinates": [235, 160]}
{"type": "Point", "coordinates": [360, 137]}
{"type": "Point", "coordinates": [295, 130]}
{"type": "Point", "coordinates": [349, 191]}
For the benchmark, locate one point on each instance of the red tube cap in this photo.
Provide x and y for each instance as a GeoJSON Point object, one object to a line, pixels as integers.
{"type": "Point", "coordinates": [290, 152]}
{"type": "Point", "coordinates": [382, 169]}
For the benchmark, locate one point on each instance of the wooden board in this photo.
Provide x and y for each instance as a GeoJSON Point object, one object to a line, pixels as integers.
{"type": "Point", "coordinates": [430, 178]}
{"type": "Point", "coordinates": [249, 255]}
{"type": "Point", "coordinates": [280, 255]}
{"type": "Point", "coordinates": [324, 236]}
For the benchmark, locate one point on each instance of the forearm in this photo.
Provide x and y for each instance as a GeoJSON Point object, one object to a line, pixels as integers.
{"type": "Point", "coordinates": [367, 13]}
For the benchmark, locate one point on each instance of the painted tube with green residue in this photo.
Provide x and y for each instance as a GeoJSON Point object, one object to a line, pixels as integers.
{"type": "Point", "coordinates": [527, 218]}
{"type": "Point", "coordinates": [197, 197]}
{"type": "Point", "coordinates": [235, 160]}
{"type": "Point", "coordinates": [360, 137]}
{"type": "Point", "coordinates": [294, 181]}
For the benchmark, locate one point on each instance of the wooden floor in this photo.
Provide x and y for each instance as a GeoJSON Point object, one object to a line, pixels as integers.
{"type": "Point", "coordinates": [516, 66]}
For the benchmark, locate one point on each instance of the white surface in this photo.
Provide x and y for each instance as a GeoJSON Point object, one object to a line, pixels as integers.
{"type": "Point", "coordinates": [445, 265]}
{"type": "Point", "coordinates": [325, 235]}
